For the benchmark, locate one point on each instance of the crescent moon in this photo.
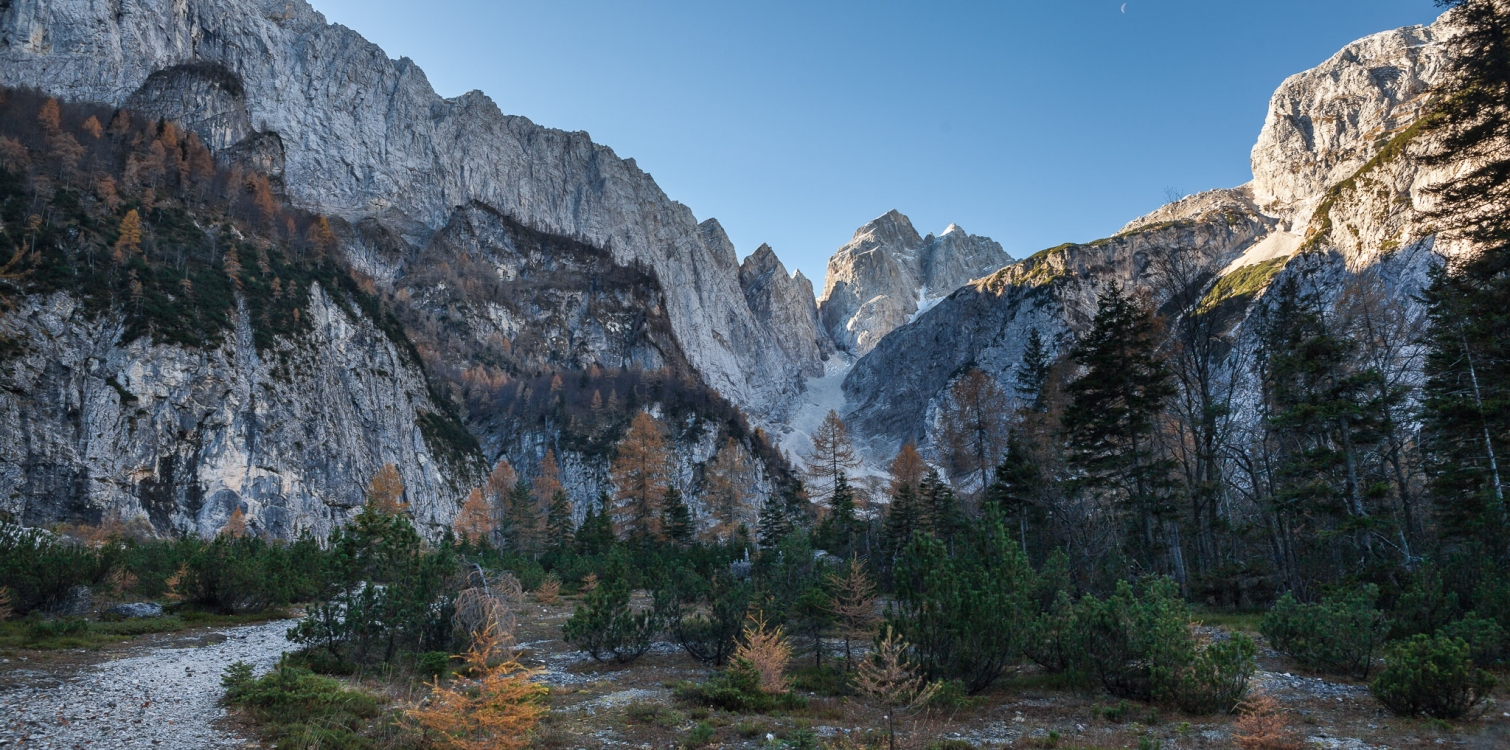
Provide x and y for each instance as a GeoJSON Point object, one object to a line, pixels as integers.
{"type": "Point", "coordinates": [1124, 7]}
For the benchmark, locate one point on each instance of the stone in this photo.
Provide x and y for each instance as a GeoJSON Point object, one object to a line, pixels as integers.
{"type": "Point", "coordinates": [881, 278]}
{"type": "Point", "coordinates": [136, 610]}
{"type": "Point", "coordinates": [76, 603]}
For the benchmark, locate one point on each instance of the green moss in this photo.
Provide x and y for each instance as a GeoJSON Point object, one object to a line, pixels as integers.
{"type": "Point", "coordinates": [447, 438]}
{"type": "Point", "coordinates": [1241, 284]}
{"type": "Point", "coordinates": [1321, 219]}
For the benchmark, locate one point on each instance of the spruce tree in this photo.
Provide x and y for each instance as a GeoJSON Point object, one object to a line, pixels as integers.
{"type": "Point", "coordinates": [676, 520]}
{"type": "Point", "coordinates": [595, 536]}
{"type": "Point", "coordinates": [775, 522]}
{"type": "Point", "coordinates": [559, 526]}
{"type": "Point", "coordinates": [1015, 492]}
{"type": "Point", "coordinates": [1466, 405]}
{"type": "Point", "coordinates": [1033, 372]}
{"type": "Point", "coordinates": [940, 509]}
{"type": "Point", "coordinates": [521, 520]}
{"type": "Point", "coordinates": [1114, 406]}
{"type": "Point", "coordinates": [838, 529]}
{"type": "Point", "coordinates": [903, 516]}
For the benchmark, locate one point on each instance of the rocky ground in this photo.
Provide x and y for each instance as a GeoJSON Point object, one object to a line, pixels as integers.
{"type": "Point", "coordinates": [155, 692]}
{"type": "Point", "coordinates": [163, 691]}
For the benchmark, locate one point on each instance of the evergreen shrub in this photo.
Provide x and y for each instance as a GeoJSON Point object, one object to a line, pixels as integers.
{"type": "Point", "coordinates": [1431, 676]}
{"type": "Point", "coordinates": [1339, 636]}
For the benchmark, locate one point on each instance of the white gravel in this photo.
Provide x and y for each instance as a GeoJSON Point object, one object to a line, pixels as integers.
{"type": "Point", "coordinates": [167, 698]}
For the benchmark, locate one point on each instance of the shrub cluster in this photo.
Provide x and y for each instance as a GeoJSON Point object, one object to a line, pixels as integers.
{"type": "Point", "coordinates": [1341, 635]}
{"type": "Point", "coordinates": [1431, 676]}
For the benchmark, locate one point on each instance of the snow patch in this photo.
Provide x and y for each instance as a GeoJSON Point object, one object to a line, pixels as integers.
{"type": "Point", "coordinates": [1277, 245]}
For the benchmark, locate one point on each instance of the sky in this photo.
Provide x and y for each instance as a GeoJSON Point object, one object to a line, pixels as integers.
{"type": "Point", "coordinates": [794, 123]}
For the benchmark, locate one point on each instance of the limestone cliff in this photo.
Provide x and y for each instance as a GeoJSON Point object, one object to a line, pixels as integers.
{"type": "Point", "coordinates": [887, 272]}
{"type": "Point", "coordinates": [355, 134]}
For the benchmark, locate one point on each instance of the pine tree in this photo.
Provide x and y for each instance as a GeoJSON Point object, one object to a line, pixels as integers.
{"type": "Point", "coordinates": [595, 536]}
{"type": "Point", "coordinates": [775, 522]}
{"type": "Point", "coordinates": [1015, 492]}
{"type": "Point", "coordinates": [639, 470]}
{"type": "Point", "coordinates": [903, 516]}
{"type": "Point", "coordinates": [939, 509]}
{"type": "Point", "coordinates": [559, 526]}
{"type": "Point", "coordinates": [474, 522]}
{"type": "Point", "coordinates": [838, 528]}
{"type": "Point", "coordinates": [521, 520]}
{"type": "Point", "coordinates": [676, 519]}
{"type": "Point", "coordinates": [1114, 406]}
{"type": "Point", "coordinates": [1033, 372]}
{"type": "Point", "coordinates": [831, 456]}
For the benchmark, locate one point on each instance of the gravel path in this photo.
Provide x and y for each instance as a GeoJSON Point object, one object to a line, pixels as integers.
{"type": "Point", "coordinates": [167, 698]}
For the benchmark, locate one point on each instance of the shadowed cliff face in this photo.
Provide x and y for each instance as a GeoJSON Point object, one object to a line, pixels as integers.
{"type": "Point", "coordinates": [357, 135]}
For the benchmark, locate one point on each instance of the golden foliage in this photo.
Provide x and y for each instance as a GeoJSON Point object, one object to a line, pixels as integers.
{"type": "Point", "coordinates": [768, 650]}
{"type": "Point", "coordinates": [974, 417]}
{"type": "Point", "coordinates": [727, 489]}
{"type": "Point", "coordinates": [1264, 725]}
{"type": "Point", "coordinates": [888, 679]}
{"type": "Point", "coordinates": [832, 454]}
{"type": "Point", "coordinates": [589, 582]}
{"type": "Point", "coordinates": [639, 471]}
{"type": "Point", "coordinates": [907, 469]}
{"type": "Point", "coordinates": [176, 582]}
{"type": "Point", "coordinates": [475, 521]}
{"type": "Point", "coordinates": [549, 590]}
{"type": "Point", "coordinates": [129, 240]}
{"type": "Point", "coordinates": [385, 493]}
{"type": "Point", "coordinates": [548, 483]}
{"type": "Point", "coordinates": [500, 483]}
{"type": "Point", "coordinates": [495, 708]}
{"type": "Point", "coordinates": [93, 127]}
{"type": "Point", "coordinates": [853, 602]}
{"type": "Point", "coordinates": [485, 617]}
{"type": "Point", "coordinates": [236, 526]}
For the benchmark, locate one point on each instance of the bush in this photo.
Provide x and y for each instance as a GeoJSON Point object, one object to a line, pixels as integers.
{"type": "Point", "coordinates": [1138, 645]}
{"type": "Point", "coordinates": [1431, 676]}
{"type": "Point", "coordinates": [297, 708]}
{"type": "Point", "coordinates": [1339, 636]}
{"type": "Point", "coordinates": [1487, 641]}
{"type": "Point", "coordinates": [1050, 641]}
{"type": "Point", "coordinates": [236, 575]}
{"type": "Point", "coordinates": [39, 569]}
{"type": "Point", "coordinates": [737, 688]}
{"type": "Point", "coordinates": [604, 626]}
{"type": "Point", "coordinates": [964, 615]}
{"type": "Point", "coordinates": [704, 617]}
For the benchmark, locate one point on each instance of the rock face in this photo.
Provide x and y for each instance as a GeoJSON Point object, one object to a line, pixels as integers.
{"type": "Point", "coordinates": [1335, 196]}
{"type": "Point", "coordinates": [360, 136]}
{"type": "Point", "coordinates": [185, 437]}
{"type": "Point", "coordinates": [886, 273]}
{"type": "Point", "coordinates": [987, 323]}
{"type": "Point", "coordinates": [1326, 123]}
{"type": "Point", "coordinates": [784, 304]}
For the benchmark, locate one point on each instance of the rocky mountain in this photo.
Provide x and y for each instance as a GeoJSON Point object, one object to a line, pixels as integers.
{"type": "Point", "coordinates": [1335, 196]}
{"type": "Point", "coordinates": [887, 272]}
{"type": "Point", "coordinates": [351, 133]}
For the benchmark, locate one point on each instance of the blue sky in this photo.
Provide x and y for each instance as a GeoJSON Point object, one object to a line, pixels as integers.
{"type": "Point", "coordinates": [793, 123]}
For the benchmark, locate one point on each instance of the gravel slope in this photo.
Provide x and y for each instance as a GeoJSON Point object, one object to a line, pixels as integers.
{"type": "Point", "coordinates": [164, 698]}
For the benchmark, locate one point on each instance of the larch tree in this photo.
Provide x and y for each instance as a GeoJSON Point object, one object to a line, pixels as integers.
{"type": "Point", "coordinates": [547, 480]}
{"type": "Point", "coordinates": [852, 598]}
{"type": "Point", "coordinates": [474, 522]}
{"type": "Point", "coordinates": [385, 493]}
{"type": "Point", "coordinates": [640, 470]}
{"type": "Point", "coordinates": [128, 240]}
{"type": "Point", "coordinates": [973, 432]}
{"type": "Point", "coordinates": [727, 481]}
{"type": "Point", "coordinates": [908, 468]}
{"type": "Point", "coordinates": [832, 455]}
{"type": "Point", "coordinates": [496, 492]}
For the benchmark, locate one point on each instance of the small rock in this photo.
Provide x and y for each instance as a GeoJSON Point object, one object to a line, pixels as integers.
{"type": "Point", "coordinates": [136, 610]}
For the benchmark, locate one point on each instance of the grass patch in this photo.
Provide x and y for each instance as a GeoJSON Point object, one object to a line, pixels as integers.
{"type": "Point", "coordinates": [297, 708]}
{"type": "Point", "coordinates": [39, 634]}
{"type": "Point", "coordinates": [1241, 284]}
{"type": "Point", "coordinates": [1230, 620]}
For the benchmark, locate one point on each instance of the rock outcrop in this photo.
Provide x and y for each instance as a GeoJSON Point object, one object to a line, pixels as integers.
{"type": "Point", "coordinates": [360, 136]}
{"type": "Point", "coordinates": [887, 272]}
{"type": "Point", "coordinates": [784, 304]}
{"type": "Point", "coordinates": [184, 437]}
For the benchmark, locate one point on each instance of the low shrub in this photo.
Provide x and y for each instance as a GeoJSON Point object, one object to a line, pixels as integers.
{"type": "Point", "coordinates": [1217, 679]}
{"type": "Point", "coordinates": [606, 628]}
{"type": "Point", "coordinates": [1431, 676]}
{"type": "Point", "coordinates": [1487, 641]}
{"type": "Point", "coordinates": [297, 708]}
{"type": "Point", "coordinates": [235, 575]}
{"type": "Point", "coordinates": [1339, 636]}
{"type": "Point", "coordinates": [701, 735]}
{"type": "Point", "coordinates": [40, 569]}
{"type": "Point", "coordinates": [737, 688]}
